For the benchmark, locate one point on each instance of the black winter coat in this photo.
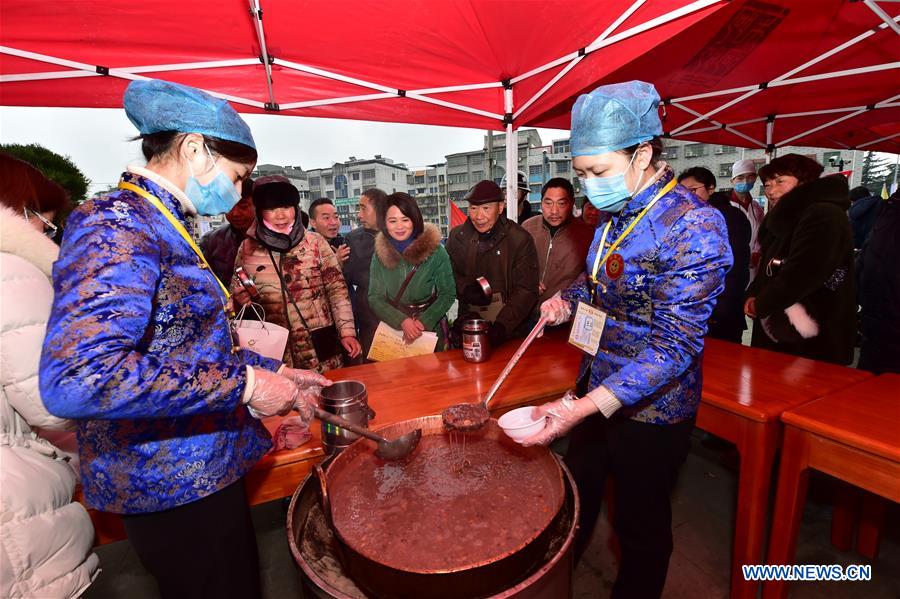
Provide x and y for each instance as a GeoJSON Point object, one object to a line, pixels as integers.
{"type": "Point", "coordinates": [361, 242]}
{"type": "Point", "coordinates": [862, 215]}
{"type": "Point", "coordinates": [879, 291]}
{"type": "Point", "coordinates": [808, 301]}
{"type": "Point", "coordinates": [508, 260]}
{"type": "Point", "coordinates": [727, 321]}
{"type": "Point", "coordinates": [220, 247]}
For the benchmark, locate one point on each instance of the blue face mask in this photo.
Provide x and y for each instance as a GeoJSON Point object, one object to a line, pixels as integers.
{"type": "Point", "coordinates": [609, 194]}
{"type": "Point", "coordinates": [216, 197]}
{"type": "Point", "coordinates": [743, 187]}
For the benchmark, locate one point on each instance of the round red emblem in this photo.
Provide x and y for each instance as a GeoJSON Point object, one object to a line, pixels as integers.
{"type": "Point", "coordinates": [615, 265]}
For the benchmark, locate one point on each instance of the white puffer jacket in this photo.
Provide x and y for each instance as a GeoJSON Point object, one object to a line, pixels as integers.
{"type": "Point", "coordinates": [45, 538]}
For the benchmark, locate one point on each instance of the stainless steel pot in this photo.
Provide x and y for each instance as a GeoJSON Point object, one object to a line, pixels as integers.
{"type": "Point", "coordinates": [349, 400]}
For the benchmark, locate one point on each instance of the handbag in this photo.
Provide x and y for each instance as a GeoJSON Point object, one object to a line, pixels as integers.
{"type": "Point", "coordinates": [265, 338]}
{"type": "Point", "coordinates": [411, 310]}
{"type": "Point", "coordinates": [416, 310]}
{"type": "Point", "coordinates": [325, 340]}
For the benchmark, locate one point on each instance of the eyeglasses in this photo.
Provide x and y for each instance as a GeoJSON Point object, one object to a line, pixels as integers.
{"type": "Point", "coordinates": [49, 228]}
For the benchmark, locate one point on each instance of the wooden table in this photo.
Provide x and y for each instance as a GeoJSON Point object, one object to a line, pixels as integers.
{"type": "Point", "coordinates": [404, 389]}
{"type": "Point", "coordinates": [853, 435]}
{"type": "Point", "coordinates": [745, 391]}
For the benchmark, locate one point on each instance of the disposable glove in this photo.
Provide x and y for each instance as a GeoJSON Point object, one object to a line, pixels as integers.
{"type": "Point", "coordinates": [562, 416]}
{"type": "Point", "coordinates": [309, 384]}
{"type": "Point", "coordinates": [556, 310]}
{"type": "Point", "coordinates": [273, 394]}
{"type": "Point", "coordinates": [305, 378]}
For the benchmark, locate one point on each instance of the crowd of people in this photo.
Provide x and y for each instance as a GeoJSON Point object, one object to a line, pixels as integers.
{"type": "Point", "coordinates": [127, 342]}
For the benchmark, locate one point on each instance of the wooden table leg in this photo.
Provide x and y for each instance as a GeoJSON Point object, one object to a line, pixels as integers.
{"type": "Point", "coordinates": [757, 445]}
{"type": "Point", "coordinates": [793, 479]}
{"type": "Point", "coordinates": [844, 516]}
{"type": "Point", "coordinates": [871, 522]}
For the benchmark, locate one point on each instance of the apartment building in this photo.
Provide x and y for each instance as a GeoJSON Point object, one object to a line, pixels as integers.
{"type": "Point", "coordinates": [428, 185]}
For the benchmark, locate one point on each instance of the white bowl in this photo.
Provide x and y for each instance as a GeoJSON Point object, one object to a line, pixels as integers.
{"type": "Point", "coordinates": [519, 424]}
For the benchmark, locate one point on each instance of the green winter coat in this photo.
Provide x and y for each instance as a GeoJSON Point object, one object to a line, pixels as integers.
{"type": "Point", "coordinates": [389, 269]}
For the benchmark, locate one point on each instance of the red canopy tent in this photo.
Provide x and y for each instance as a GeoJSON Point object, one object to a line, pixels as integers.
{"type": "Point", "coordinates": [761, 73]}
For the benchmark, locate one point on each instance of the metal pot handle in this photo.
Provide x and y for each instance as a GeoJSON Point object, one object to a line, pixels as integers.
{"type": "Point", "coordinates": [322, 492]}
{"type": "Point", "coordinates": [370, 413]}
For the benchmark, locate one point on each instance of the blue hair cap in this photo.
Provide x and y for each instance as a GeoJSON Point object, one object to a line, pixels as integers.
{"type": "Point", "coordinates": [154, 106]}
{"type": "Point", "coordinates": [613, 117]}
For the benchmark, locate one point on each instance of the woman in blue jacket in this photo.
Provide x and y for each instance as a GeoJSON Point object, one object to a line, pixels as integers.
{"type": "Point", "coordinates": [139, 352]}
{"type": "Point", "coordinates": [654, 270]}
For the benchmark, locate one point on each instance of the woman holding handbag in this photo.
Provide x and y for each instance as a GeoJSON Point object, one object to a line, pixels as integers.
{"type": "Point", "coordinates": [299, 280]}
{"type": "Point", "coordinates": [411, 283]}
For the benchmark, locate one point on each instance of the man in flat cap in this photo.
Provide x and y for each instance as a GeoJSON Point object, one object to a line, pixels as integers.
{"type": "Point", "coordinates": [489, 248]}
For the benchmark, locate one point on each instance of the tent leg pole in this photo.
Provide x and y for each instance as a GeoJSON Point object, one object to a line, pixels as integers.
{"type": "Point", "coordinates": [512, 154]}
{"type": "Point", "coordinates": [512, 190]}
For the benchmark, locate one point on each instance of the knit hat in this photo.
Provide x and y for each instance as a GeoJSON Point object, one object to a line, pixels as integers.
{"type": "Point", "coordinates": [274, 191]}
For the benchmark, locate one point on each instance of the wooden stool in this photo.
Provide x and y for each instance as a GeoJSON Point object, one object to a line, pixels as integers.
{"type": "Point", "coordinates": [852, 435]}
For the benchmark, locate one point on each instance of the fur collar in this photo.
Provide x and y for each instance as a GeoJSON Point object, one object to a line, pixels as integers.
{"type": "Point", "coordinates": [18, 237]}
{"type": "Point", "coordinates": [417, 253]}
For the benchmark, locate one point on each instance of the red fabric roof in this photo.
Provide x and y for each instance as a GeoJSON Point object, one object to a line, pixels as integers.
{"type": "Point", "coordinates": [412, 45]}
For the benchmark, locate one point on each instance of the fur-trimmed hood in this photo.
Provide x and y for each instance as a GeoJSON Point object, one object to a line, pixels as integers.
{"type": "Point", "coordinates": [18, 237]}
{"type": "Point", "coordinates": [418, 252]}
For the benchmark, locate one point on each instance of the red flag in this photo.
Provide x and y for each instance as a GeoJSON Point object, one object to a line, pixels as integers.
{"type": "Point", "coordinates": [457, 216]}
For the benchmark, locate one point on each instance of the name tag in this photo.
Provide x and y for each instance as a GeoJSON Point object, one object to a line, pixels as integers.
{"type": "Point", "coordinates": [587, 328]}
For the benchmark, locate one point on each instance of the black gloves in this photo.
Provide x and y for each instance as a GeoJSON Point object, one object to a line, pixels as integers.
{"type": "Point", "coordinates": [496, 334]}
{"type": "Point", "coordinates": [473, 295]}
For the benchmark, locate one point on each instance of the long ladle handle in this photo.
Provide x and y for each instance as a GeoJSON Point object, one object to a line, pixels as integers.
{"type": "Point", "coordinates": [346, 424]}
{"type": "Point", "coordinates": [514, 360]}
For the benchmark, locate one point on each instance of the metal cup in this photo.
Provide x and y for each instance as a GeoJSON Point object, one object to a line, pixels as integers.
{"type": "Point", "coordinates": [476, 347]}
{"type": "Point", "coordinates": [349, 400]}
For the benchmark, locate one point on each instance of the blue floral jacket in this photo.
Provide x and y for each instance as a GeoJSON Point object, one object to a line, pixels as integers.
{"type": "Point", "coordinates": [138, 351]}
{"type": "Point", "coordinates": [675, 261]}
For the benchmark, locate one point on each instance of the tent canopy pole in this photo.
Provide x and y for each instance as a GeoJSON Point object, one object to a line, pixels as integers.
{"type": "Point", "coordinates": [512, 154]}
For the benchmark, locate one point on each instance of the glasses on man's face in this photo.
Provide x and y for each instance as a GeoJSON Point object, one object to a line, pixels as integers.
{"type": "Point", "coordinates": [49, 228]}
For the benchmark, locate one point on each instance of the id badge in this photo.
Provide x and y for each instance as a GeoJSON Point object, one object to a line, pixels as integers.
{"type": "Point", "coordinates": [587, 328]}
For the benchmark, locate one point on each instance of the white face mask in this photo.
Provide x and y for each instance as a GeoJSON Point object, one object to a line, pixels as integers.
{"type": "Point", "coordinates": [216, 197]}
{"type": "Point", "coordinates": [610, 194]}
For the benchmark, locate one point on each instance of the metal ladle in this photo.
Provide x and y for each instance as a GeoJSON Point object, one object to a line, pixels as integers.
{"type": "Point", "coordinates": [466, 417]}
{"type": "Point", "coordinates": [387, 450]}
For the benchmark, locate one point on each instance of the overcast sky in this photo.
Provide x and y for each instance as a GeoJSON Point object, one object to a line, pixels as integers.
{"type": "Point", "coordinates": [97, 139]}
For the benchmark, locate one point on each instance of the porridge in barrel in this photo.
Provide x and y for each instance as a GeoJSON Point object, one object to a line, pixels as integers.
{"type": "Point", "coordinates": [460, 500]}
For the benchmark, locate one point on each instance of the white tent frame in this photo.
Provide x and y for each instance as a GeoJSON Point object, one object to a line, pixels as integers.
{"type": "Point", "coordinates": [788, 78]}
{"type": "Point", "coordinates": [511, 111]}
{"type": "Point", "coordinates": [79, 69]}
